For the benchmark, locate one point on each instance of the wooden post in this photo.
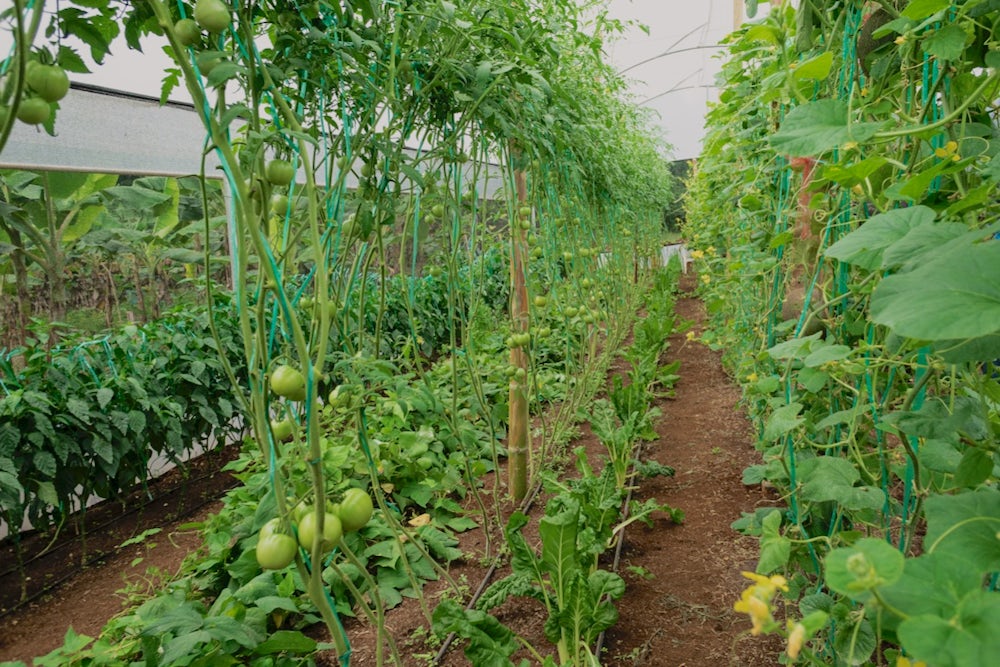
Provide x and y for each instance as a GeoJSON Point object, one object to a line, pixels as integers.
{"type": "Point", "coordinates": [517, 438]}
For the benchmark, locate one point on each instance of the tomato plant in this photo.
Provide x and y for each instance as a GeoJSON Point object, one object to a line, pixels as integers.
{"type": "Point", "coordinates": [307, 529]}
{"type": "Point", "coordinates": [212, 15]}
{"type": "Point", "coordinates": [33, 111]}
{"type": "Point", "coordinates": [355, 509]}
{"type": "Point", "coordinates": [275, 549]}
{"type": "Point", "coordinates": [288, 382]}
{"type": "Point", "coordinates": [49, 82]}
{"type": "Point", "coordinates": [279, 172]}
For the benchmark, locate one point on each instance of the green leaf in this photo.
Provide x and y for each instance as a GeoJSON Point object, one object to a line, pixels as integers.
{"type": "Point", "coordinates": [921, 244]}
{"type": "Point", "coordinates": [971, 638]}
{"type": "Point", "coordinates": [856, 570]}
{"type": "Point", "coordinates": [104, 396]}
{"type": "Point", "coordinates": [286, 641]}
{"type": "Point", "coordinates": [490, 643]}
{"type": "Point", "coordinates": [918, 10]}
{"type": "Point", "coordinates": [815, 68]}
{"type": "Point", "coordinates": [947, 42]}
{"type": "Point", "coordinates": [775, 549]}
{"type": "Point", "coordinates": [864, 246]}
{"type": "Point", "coordinates": [965, 526]}
{"type": "Point", "coordinates": [932, 584]}
{"type": "Point", "coordinates": [831, 478]}
{"type": "Point", "coordinates": [781, 421]}
{"type": "Point", "coordinates": [956, 298]}
{"type": "Point", "coordinates": [975, 468]}
{"type": "Point", "coordinates": [819, 126]}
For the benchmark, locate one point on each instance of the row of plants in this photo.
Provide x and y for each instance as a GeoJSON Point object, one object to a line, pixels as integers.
{"type": "Point", "coordinates": [327, 90]}
{"type": "Point", "coordinates": [585, 517]}
{"type": "Point", "coordinates": [243, 597]}
{"type": "Point", "coordinates": [850, 271]}
{"type": "Point", "coordinates": [85, 419]}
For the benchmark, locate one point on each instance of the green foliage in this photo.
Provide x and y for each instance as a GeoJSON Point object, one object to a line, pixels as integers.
{"type": "Point", "coordinates": [854, 296]}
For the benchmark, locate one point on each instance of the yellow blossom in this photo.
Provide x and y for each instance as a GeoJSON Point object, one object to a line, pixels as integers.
{"type": "Point", "coordinates": [906, 662]}
{"type": "Point", "coordinates": [710, 250]}
{"type": "Point", "coordinates": [697, 254]}
{"type": "Point", "coordinates": [690, 335]}
{"type": "Point", "coordinates": [755, 608]}
{"type": "Point", "coordinates": [850, 145]}
{"type": "Point", "coordinates": [752, 377]}
{"type": "Point", "coordinates": [900, 40]}
{"type": "Point", "coordinates": [796, 638]}
{"type": "Point", "coordinates": [770, 584]}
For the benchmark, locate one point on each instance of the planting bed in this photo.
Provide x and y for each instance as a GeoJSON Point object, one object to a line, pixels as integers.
{"type": "Point", "coordinates": [682, 579]}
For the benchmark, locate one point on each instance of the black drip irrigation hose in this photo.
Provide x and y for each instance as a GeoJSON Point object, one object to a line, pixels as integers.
{"type": "Point", "coordinates": [115, 519]}
{"type": "Point", "coordinates": [53, 584]}
{"type": "Point", "coordinates": [446, 644]}
{"type": "Point", "coordinates": [525, 506]}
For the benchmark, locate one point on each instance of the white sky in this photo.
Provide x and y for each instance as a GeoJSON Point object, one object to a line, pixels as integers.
{"type": "Point", "coordinates": [676, 82]}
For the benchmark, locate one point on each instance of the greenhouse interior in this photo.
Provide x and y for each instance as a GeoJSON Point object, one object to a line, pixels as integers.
{"type": "Point", "coordinates": [648, 333]}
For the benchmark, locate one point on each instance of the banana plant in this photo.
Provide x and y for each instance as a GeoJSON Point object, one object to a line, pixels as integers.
{"type": "Point", "coordinates": [44, 216]}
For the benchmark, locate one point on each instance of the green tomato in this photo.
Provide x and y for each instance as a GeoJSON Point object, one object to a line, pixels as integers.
{"type": "Point", "coordinates": [49, 82]}
{"type": "Point", "coordinates": [212, 15]}
{"type": "Point", "coordinates": [33, 111]}
{"type": "Point", "coordinates": [275, 550]}
{"type": "Point", "coordinates": [355, 510]}
{"type": "Point", "coordinates": [332, 530]}
{"type": "Point", "coordinates": [288, 383]}
{"type": "Point", "coordinates": [279, 172]}
{"type": "Point", "coordinates": [541, 301]}
{"type": "Point", "coordinates": [187, 31]}
{"type": "Point", "coordinates": [437, 211]}
{"type": "Point", "coordinates": [279, 204]}
{"type": "Point", "coordinates": [525, 212]}
{"type": "Point", "coordinates": [281, 429]}
{"type": "Point", "coordinates": [340, 397]}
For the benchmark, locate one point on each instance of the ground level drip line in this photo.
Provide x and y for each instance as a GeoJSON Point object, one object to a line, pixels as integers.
{"type": "Point", "coordinates": [50, 586]}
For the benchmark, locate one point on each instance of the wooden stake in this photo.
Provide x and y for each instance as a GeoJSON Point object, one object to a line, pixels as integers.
{"type": "Point", "coordinates": [517, 438]}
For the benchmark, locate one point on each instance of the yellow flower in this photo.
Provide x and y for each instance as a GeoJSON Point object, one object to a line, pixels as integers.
{"type": "Point", "coordinates": [755, 608]}
{"type": "Point", "coordinates": [710, 250]}
{"type": "Point", "coordinates": [906, 662]}
{"type": "Point", "coordinates": [770, 584]}
{"type": "Point", "coordinates": [900, 40]}
{"type": "Point", "coordinates": [752, 377]}
{"type": "Point", "coordinates": [796, 638]}
{"type": "Point", "coordinates": [697, 254]}
{"type": "Point", "coordinates": [691, 335]}
{"type": "Point", "coordinates": [850, 145]}
{"type": "Point", "coordinates": [705, 278]}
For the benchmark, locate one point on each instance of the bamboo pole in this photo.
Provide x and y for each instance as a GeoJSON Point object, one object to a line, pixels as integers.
{"type": "Point", "coordinates": [518, 444]}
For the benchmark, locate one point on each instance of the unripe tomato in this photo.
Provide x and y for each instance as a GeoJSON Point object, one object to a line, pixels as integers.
{"type": "Point", "coordinates": [536, 253]}
{"type": "Point", "coordinates": [541, 301]}
{"type": "Point", "coordinates": [332, 530]}
{"type": "Point", "coordinates": [187, 31]}
{"type": "Point", "coordinates": [355, 510]}
{"type": "Point", "coordinates": [340, 397]}
{"type": "Point", "coordinates": [33, 110]}
{"type": "Point", "coordinates": [437, 211]}
{"type": "Point", "coordinates": [48, 81]}
{"type": "Point", "coordinates": [288, 382]}
{"type": "Point", "coordinates": [525, 212]}
{"type": "Point", "coordinates": [212, 15]}
{"type": "Point", "coordinates": [279, 172]}
{"type": "Point", "coordinates": [525, 223]}
{"type": "Point", "coordinates": [281, 429]}
{"type": "Point", "coordinates": [275, 550]}
{"type": "Point", "coordinates": [279, 204]}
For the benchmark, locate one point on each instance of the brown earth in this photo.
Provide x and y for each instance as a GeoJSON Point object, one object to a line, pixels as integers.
{"type": "Point", "coordinates": [681, 580]}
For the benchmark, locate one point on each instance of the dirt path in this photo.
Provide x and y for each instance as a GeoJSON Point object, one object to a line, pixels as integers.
{"type": "Point", "coordinates": [682, 580]}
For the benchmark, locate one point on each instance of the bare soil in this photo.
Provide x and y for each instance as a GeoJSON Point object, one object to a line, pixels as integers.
{"type": "Point", "coordinates": [681, 580]}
